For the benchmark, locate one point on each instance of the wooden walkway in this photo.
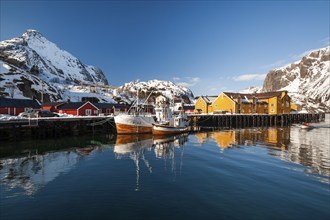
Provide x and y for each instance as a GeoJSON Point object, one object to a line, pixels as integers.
{"type": "Point", "coordinates": [42, 128]}
{"type": "Point", "coordinates": [251, 120]}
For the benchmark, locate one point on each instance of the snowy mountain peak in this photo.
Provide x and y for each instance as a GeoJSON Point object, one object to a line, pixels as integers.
{"type": "Point", "coordinates": [32, 33]}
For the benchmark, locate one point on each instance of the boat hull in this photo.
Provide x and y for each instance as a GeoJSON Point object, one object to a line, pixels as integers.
{"type": "Point", "coordinates": [131, 124]}
{"type": "Point", "coordinates": [165, 130]}
{"type": "Point", "coordinates": [132, 129]}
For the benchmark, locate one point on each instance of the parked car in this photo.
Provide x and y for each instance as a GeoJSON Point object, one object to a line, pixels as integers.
{"type": "Point", "coordinates": [35, 113]}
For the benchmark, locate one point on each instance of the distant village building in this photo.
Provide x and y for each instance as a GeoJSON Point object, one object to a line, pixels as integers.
{"type": "Point", "coordinates": [78, 108]}
{"type": "Point", "coordinates": [111, 108]}
{"type": "Point", "coordinates": [161, 99]}
{"type": "Point", "coordinates": [262, 103]}
{"type": "Point", "coordinates": [189, 108]}
{"type": "Point", "coordinates": [11, 106]}
{"type": "Point", "coordinates": [52, 106]}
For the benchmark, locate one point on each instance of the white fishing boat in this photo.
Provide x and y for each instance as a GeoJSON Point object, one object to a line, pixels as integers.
{"type": "Point", "coordinates": [135, 121]}
{"type": "Point", "coordinates": [133, 124]}
{"type": "Point", "coordinates": [169, 123]}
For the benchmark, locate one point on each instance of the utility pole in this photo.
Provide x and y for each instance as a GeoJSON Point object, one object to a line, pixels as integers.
{"type": "Point", "coordinates": [42, 93]}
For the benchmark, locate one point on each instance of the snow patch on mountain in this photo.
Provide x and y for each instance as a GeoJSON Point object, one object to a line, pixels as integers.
{"type": "Point", "coordinates": [252, 89]}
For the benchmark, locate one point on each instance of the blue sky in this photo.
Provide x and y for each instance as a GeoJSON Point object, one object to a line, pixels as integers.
{"type": "Point", "coordinates": [209, 46]}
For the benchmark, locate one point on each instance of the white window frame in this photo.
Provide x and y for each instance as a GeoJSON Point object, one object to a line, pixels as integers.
{"type": "Point", "coordinates": [88, 112]}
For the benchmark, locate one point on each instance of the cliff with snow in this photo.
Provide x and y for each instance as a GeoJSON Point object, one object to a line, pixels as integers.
{"type": "Point", "coordinates": [307, 81]}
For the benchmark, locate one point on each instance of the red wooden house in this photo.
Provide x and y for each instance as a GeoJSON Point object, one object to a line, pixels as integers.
{"type": "Point", "coordinates": [111, 108]}
{"type": "Point", "coordinates": [10, 106]}
{"type": "Point", "coordinates": [189, 109]}
{"type": "Point", "coordinates": [52, 106]}
{"type": "Point", "coordinates": [78, 108]}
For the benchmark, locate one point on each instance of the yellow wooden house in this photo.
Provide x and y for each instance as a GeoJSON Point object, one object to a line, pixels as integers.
{"type": "Point", "coordinates": [203, 104]}
{"type": "Point", "coordinates": [261, 103]}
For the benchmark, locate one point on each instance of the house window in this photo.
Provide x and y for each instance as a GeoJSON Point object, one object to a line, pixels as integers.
{"type": "Point", "coordinates": [95, 112]}
{"type": "Point", "coordinates": [88, 111]}
{"type": "Point", "coordinates": [272, 104]}
{"type": "Point", "coordinates": [287, 104]}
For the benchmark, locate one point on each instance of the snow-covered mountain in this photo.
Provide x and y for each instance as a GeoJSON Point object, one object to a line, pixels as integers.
{"type": "Point", "coordinates": [166, 88]}
{"type": "Point", "coordinates": [33, 67]}
{"type": "Point", "coordinates": [307, 80]}
{"type": "Point", "coordinates": [33, 53]}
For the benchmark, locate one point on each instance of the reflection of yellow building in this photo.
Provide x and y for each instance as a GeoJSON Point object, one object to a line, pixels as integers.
{"type": "Point", "coordinates": [279, 137]}
{"type": "Point", "coordinates": [201, 137]}
{"type": "Point", "coordinates": [224, 139]}
{"type": "Point", "coordinates": [262, 103]}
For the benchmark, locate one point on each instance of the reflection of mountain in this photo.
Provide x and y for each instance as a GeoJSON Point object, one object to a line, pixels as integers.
{"type": "Point", "coordinates": [135, 147]}
{"type": "Point", "coordinates": [32, 172]}
{"type": "Point", "coordinates": [37, 166]}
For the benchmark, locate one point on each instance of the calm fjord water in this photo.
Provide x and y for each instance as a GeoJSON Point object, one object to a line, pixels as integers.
{"type": "Point", "coordinates": [258, 173]}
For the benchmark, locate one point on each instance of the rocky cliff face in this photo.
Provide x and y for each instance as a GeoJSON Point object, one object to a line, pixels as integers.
{"type": "Point", "coordinates": [307, 80]}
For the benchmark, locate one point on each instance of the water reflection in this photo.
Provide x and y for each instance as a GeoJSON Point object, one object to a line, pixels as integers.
{"type": "Point", "coordinates": [25, 171]}
{"type": "Point", "coordinates": [277, 137]}
{"type": "Point", "coordinates": [135, 147]}
{"type": "Point", "coordinates": [309, 148]}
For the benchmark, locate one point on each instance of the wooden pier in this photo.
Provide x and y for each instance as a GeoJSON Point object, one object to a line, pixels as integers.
{"type": "Point", "coordinates": [42, 128]}
{"type": "Point", "coordinates": [206, 121]}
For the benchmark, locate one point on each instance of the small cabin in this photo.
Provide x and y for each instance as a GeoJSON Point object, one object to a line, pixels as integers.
{"type": "Point", "coordinates": [11, 106]}
{"type": "Point", "coordinates": [189, 109]}
{"type": "Point", "coordinates": [52, 106]}
{"type": "Point", "coordinates": [111, 108]}
{"type": "Point", "coordinates": [79, 108]}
